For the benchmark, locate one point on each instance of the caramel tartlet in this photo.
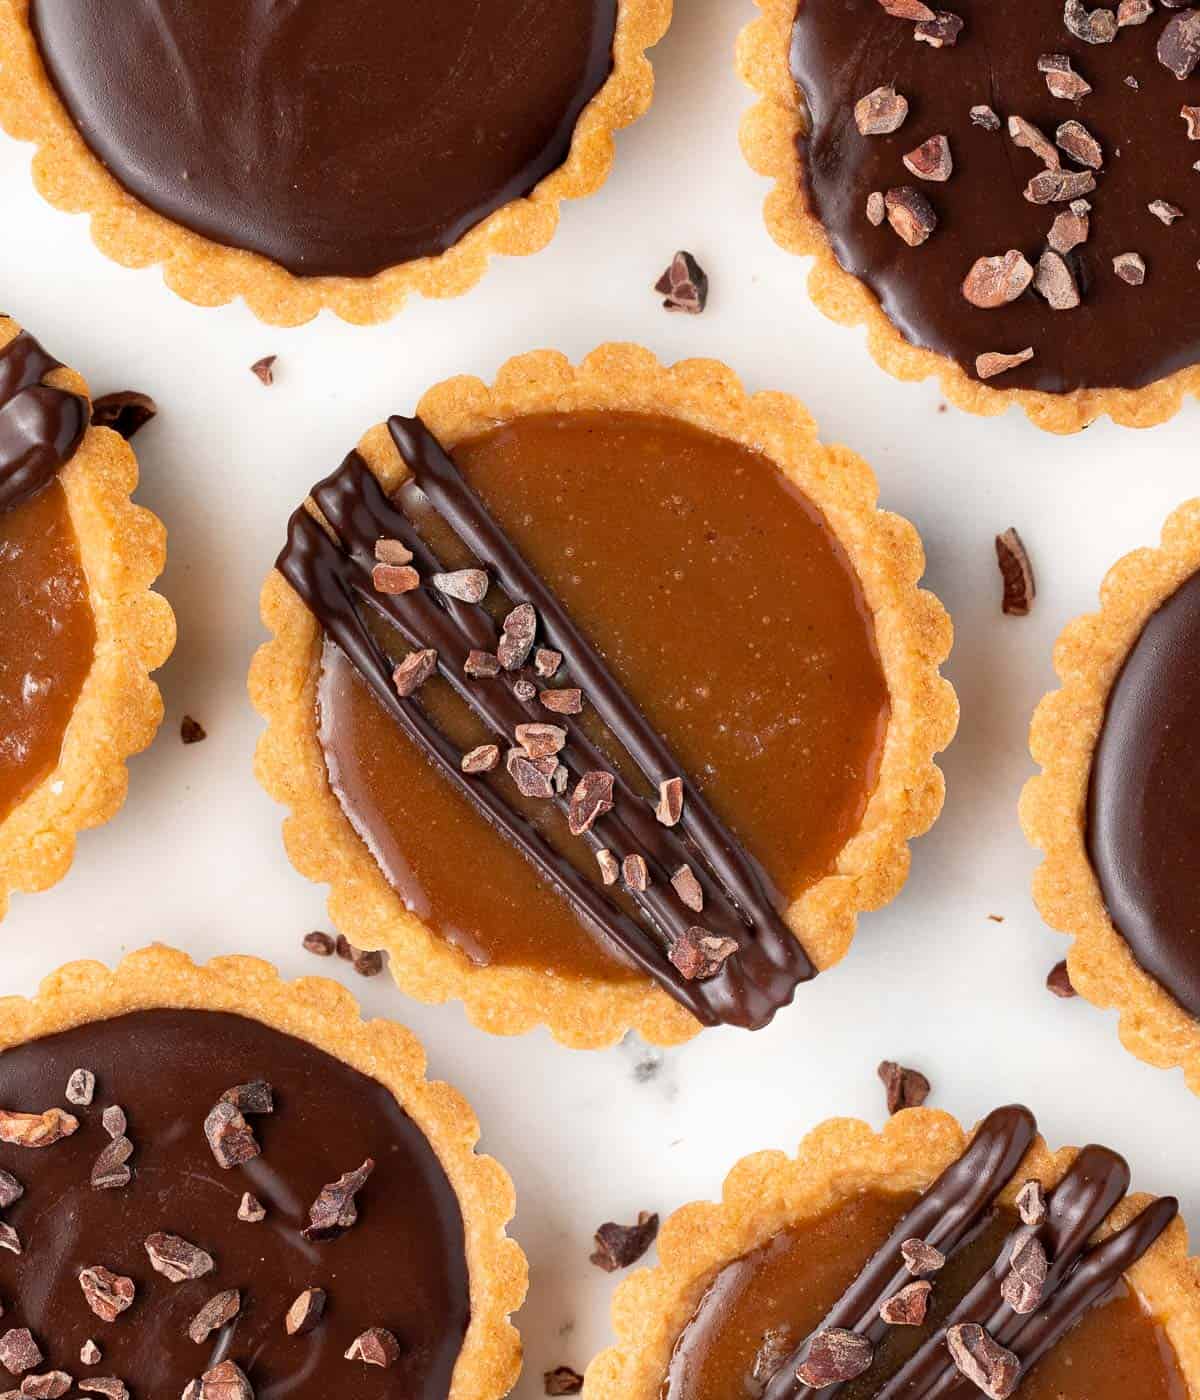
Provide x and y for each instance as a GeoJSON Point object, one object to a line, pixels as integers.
{"type": "Point", "coordinates": [1000, 191]}
{"type": "Point", "coordinates": [266, 1197]}
{"type": "Point", "coordinates": [312, 155]}
{"type": "Point", "coordinates": [603, 697]}
{"type": "Point", "coordinates": [1117, 806]}
{"type": "Point", "coordinates": [914, 1263]}
{"type": "Point", "coordinates": [84, 629]}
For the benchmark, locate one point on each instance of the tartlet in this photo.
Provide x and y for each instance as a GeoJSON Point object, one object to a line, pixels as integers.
{"type": "Point", "coordinates": [79, 558]}
{"type": "Point", "coordinates": [318, 156]}
{"type": "Point", "coordinates": [257, 1179]}
{"type": "Point", "coordinates": [740, 560]}
{"type": "Point", "coordinates": [1052, 140]}
{"type": "Point", "coordinates": [792, 1270]}
{"type": "Point", "coordinates": [1115, 807]}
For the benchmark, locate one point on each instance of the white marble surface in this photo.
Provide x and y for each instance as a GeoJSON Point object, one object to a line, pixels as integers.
{"type": "Point", "coordinates": [195, 858]}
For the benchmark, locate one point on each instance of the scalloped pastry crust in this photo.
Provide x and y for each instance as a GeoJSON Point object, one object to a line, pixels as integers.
{"type": "Point", "coordinates": [324, 1014]}
{"type": "Point", "coordinates": [912, 630]}
{"type": "Point", "coordinates": [123, 549]}
{"type": "Point", "coordinates": [1066, 725]}
{"type": "Point", "coordinates": [206, 273]}
{"type": "Point", "coordinates": [769, 138]}
{"type": "Point", "coordinates": [769, 1191]}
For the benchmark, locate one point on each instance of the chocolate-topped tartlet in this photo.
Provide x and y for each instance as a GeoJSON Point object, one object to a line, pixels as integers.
{"type": "Point", "coordinates": [603, 697]}
{"type": "Point", "coordinates": [1002, 191]}
{"type": "Point", "coordinates": [309, 155]}
{"type": "Point", "coordinates": [82, 628]}
{"type": "Point", "coordinates": [914, 1264]}
{"type": "Point", "coordinates": [266, 1197]}
{"type": "Point", "coordinates": [1117, 807]}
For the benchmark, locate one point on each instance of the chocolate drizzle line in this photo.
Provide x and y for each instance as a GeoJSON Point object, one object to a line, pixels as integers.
{"type": "Point", "coordinates": [332, 575]}
{"type": "Point", "coordinates": [951, 1213]}
{"type": "Point", "coordinates": [40, 427]}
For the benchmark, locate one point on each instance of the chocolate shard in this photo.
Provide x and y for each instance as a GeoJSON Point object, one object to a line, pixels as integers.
{"type": "Point", "coordinates": [904, 1087]}
{"type": "Point", "coordinates": [109, 1171]}
{"type": "Point", "coordinates": [1059, 186]}
{"type": "Point", "coordinates": [688, 888]}
{"type": "Point", "coordinates": [230, 1137]}
{"type": "Point", "coordinates": [224, 1382]}
{"type": "Point", "coordinates": [1062, 81]}
{"type": "Point", "coordinates": [931, 160]}
{"type": "Point", "coordinates": [619, 1246]}
{"type": "Point", "coordinates": [10, 1189]}
{"type": "Point", "coordinates": [334, 1211]}
{"type": "Point", "coordinates": [107, 1294]}
{"type": "Point", "coordinates": [593, 796]}
{"type": "Point", "coordinates": [1031, 138]}
{"type": "Point", "coordinates": [921, 1258]}
{"type": "Point", "coordinates": [414, 671]}
{"type": "Point", "coordinates": [191, 731]}
{"type": "Point", "coordinates": [220, 1309]}
{"type": "Point", "coordinates": [114, 1120]}
{"type": "Point", "coordinates": [835, 1355]}
{"type": "Point", "coordinates": [111, 1387]}
{"type": "Point", "coordinates": [910, 214]}
{"type": "Point", "coordinates": [81, 1088]}
{"type": "Point", "coordinates": [907, 1307]}
{"type": "Point", "coordinates": [984, 1362]}
{"type": "Point", "coordinates": [546, 662]}
{"type": "Point", "coordinates": [90, 1354]}
{"type": "Point", "coordinates": [483, 759]}
{"type": "Point", "coordinates": [1163, 211]}
{"type": "Point", "coordinates": [50, 1385]}
{"type": "Point", "coordinates": [374, 1347]}
{"type": "Point", "coordinates": [394, 579]}
{"type": "Point", "coordinates": [541, 740]}
{"type": "Point", "coordinates": [699, 955]}
{"type": "Point", "coordinates": [177, 1259]}
{"type": "Point", "coordinates": [670, 801]}
{"type": "Point", "coordinates": [392, 552]}
{"type": "Point", "coordinates": [36, 1129]}
{"type": "Point", "coordinates": [124, 411]}
{"type": "Point", "coordinates": [516, 640]}
{"type": "Point", "coordinates": [305, 1313]}
{"type": "Point", "coordinates": [684, 285]}
{"type": "Point", "coordinates": [1130, 268]}
{"type": "Point", "coordinates": [610, 866]}
{"type": "Point", "coordinates": [1016, 571]}
{"type": "Point", "coordinates": [881, 111]}
{"type": "Point", "coordinates": [562, 1381]}
{"type": "Point", "coordinates": [255, 1097]}
{"type": "Point", "coordinates": [481, 664]}
{"type": "Point", "coordinates": [264, 370]}
{"type": "Point", "coordinates": [19, 1353]}
{"type": "Point", "coordinates": [907, 9]}
{"type": "Point", "coordinates": [1055, 281]}
{"type": "Point", "coordinates": [10, 1241]}
{"type": "Point", "coordinates": [1179, 44]}
{"type": "Point", "coordinates": [1059, 982]}
{"type": "Point", "coordinates": [251, 1210]}
{"type": "Point", "coordinates": [467, 585]}
{"type": "Point", "coordinates": [1031, 1203]}
{"type": "Point", "coordinates": [940, 32]}
{"type": "Point", "coordinates": [994, 362]}
{"type": "Point", "coordinates": [996, 281]}
{"type": "Point", "coordinates": [562, 702]}
{"type": "Point", "coordinates": [1079, 143]}
{"type": "Point", "coordinates": [983, 115]}
{"type": "Point", "coordinates": [1092, 26]}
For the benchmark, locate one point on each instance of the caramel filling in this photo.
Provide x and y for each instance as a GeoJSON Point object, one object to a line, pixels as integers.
{"type": "Point", "coordinates": [762, 1305]}
{"type": "Point", "coordinates": [722, 602]}
{"type": "Point", "coordinates": [46, 650]}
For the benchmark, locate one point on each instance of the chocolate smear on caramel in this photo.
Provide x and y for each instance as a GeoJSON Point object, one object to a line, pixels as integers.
{"type": "Point", "coordinates": [40, 427]}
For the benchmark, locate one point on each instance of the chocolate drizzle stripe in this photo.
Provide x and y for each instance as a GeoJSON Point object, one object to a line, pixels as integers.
{"type": "Point", "coordinates": [41, 427]}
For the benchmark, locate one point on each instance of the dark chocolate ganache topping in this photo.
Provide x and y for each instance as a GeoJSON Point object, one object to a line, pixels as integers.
{"type": "Point", "coordinates": [92, 1289]}
{"type": "Point", "coordinates": [1010, 112]}
{"type": "Point", "coordinates": [336, 139]}
{"type": "Point", "coordinates": [674, 891]}
{"type": "Point", "coordinates": [1144, 801]}
{"type": "Point", "coordinates": [1046, 1277]}
{"type": "Point", "coordinates": [40, 427]}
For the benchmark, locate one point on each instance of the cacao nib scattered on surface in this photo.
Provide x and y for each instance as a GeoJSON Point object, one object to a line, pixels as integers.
{"type": "Point", "coordinates": [1062, 81]}
{"type": "Point", "coordinates": [994, 362]}
{"type": "Point", "coordinates": [36, 1129]}
{"type": "Point", "coordinates": [1131, 268]}
{"type": "Point", "coordinates": [910, 214]}
{"type": "Point", "coordinates": [1079, 143]}
{"type": "Point", "coordinates": [880, 112]}
{"type": "Point", "coordinates": [1092, 26]}
{"type": "Point", "coordinates": [1059, 982]}
{"type": "Point", "coordinates": [1032, 138]}
{"type": "Point", "coordinates": [1164, 212]}
{"type": "Point", "coordinates": [483, 759]}
{"type": "Point", "coordinates": [931, 160]}
{"type": "Point", "coordinates": [124, 411]}
{"type": "Point", "coordinates": [412, 673]}
{"type": "Point", "coordinates": [90, 1354]}
{"type": "Point", "coordinates": [108, 1294]}
{"type": "Point", "coordinates": [835, 1355]}
{"type": "Point", "coordinates": [230, 1137]}
{"type": "Point", "coordinates": [467, 585]}
{"type": "Point", "coordinates": [982, 115]}
{"type": "Point", "coordinates": [394, 579]}
{"type": "Point", "coordinates": [593, 796]}
{"type": "Point", "coordinates": [50, 1385]}
{"type": "Point", "coordinates": [541, 740]}
{"type": "Point", "coordinates": [1031, 1203]}
{"type": "Point", "coordinates": [334, 1211]}
{"type": "Point", "coordinates": [921, 1258]}
{"type": "Point", "coordinates": [320, 944]}
{"type": "Point", "coordinates": [940, 32]}
{"type": "Point", "coordinates": [688, 889]}
{"type": "Point", "coordinates": [374, 1347]}
{"type": "Point", "coordinates": [699, 955]}
{"type": "Point", "coordinates": [10, 1190]}
{"type": "Point", "coordinates": [1055, 281]}
{"type": "Point", "coordinates": [81, 1088]}
{"type": "Point", "coordinates": [562, 1381]}
{"type": "Point", "coordinates": [995, 281]}
{"type": "Point", "coordinates": [177, 1259]}
{"type": "Point", "coordinates": [876, 208]}
{"type": "Point", "coordinates": [19, 1353]}
{"type": "Point", "coordinates": [610, 866]}
{"type": "Point", "coordinates": [516, 640]}
{"type": "Point", "coordinates": [546, 662]}
{"type": "Point", "coordinates": [1134, 12]}
{"type": "Point", "coordinates": [1179, 44]}
{"type": "Point", "coordinates": [562, 702]}
{"type": "Point", "coordinates": [906, 1308]}
{"type": "Point", "coordinates": [191, 731]}
{"type": "Point", "coordinates": [619, 1246]}
{"type": "Point", "coordinates": [1071, 227]}
{"type": "Point", "coordinates": [114, 1120]}
{"type": "Point", "coordinates": [305, 1313]}
{"type": "Point", "coordinates": [253, 1097]}
{"type": "Point", "coordinates": [986, 1364]}
{"type": "Point", "coordinates": [904, 1087]}
{"type": "Point", "coordinates": [9, 1239]}
{"type": "Point", "coordinates": [111, 1387]}
{"type": "Point", "coordinates": [684, 285]}
{"type": "Point", "coordinates": [533, 776]}
{"type": "Point", "coordinates": [367, 962]}
{"type": "Point", "coordinates": [635, 873]}
{"type": "Point", "coordinates": [264, 370]}
{"type": "Point", "coordinates": [392, 552]}
{"type": "Point", "coordinates": [220, 1309]}
{"type": "Point", "coordinates": [1191, 115]}
{"type": "Point", "coordinates": [670, 801]}
{"type": "Point", "coordinates": [1022, 1288]}
{"type": "Point", "coordinates": [1016, 571]}
{"type": "Point", "coordinates": [251, 1210]}
{"type": "Point", "coordinates": [224, 1382]}
{"type": "Point", "coordinates": [1059, 186]}
{"type": "Point", "coordinates": [110, 1172]}
{"type": "Point", "coordinates": [481, 664]}
{"type": "Point", "coordinates": [907, 9]}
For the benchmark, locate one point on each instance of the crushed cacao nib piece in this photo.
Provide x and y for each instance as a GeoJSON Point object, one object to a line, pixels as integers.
{"type": "Point", "coordinates": [1179, 44]}
{"type": "Point", "coordinates": [36, 1129]}
{"type": "Point", "coordinates": [940, 32]}
{"type": "Point", "coordinates": [1131, 82]}
{"type": "Point", "coordinates": [998, 280]}
{"type": "Point", "coordinates": [124, 411]}
{"type": "Point", "coordinates": [111, 1387]}
{"type": "Point", "coordinates": [319, 943]}
{"type": "Point", "coordinates": [516, 640]}
{"type": "Point", "coordinates": [687, 887]}
{"type": "Point", "coordinates": [618, 1246]}
{"type": "Point", "coordinates": [251, 1210]}
{"type": "Point", "coordinates": [414, 671]}
{"type": "Point", "coordinates": [264, 370]}
{"type": "Point", "coordinates": [546, 662]}
{"type": "Point", "coordinates": [684, 285]}
{"type": "Point", "coordinates": [533, 776]}
{"type": "Point", "coordinates": [1032, 138]}
{"type": "Point", "coordinates": [921, 1258]}
{"type": "Point", "coordinates": [907, 9]}
{"type": "Point", "coordinates": [593, 796]}
{"type": "Point", "coordinates": [10, 1190]}
{"type": "Point", "coordinates": [1023, 1287]}
{"type": "Point", "coordinates": [524, 690]}
{"type": "Point", "coordinates": [254, 1097]}
{"type": "Point", "coordinates": [229, 1136]}
{"type": "Point", "coordinates": [776, 1346]}
{"type": "Point", "coordinates": [374, 1347]}
{"type": "Point", "coordinates": [910, 214]}
{"type": "Point", "coordinates": [1131, 268]}
{"type": "Point", "coordinates": [904, 1087]}
{"type": "Point", "coordinates": [635, 873]}
{"type": "Point", "coordinates": [81, 1088]}
{"type": "Point", "coordinates": [876, 208]}
{"type": "Point", "coordinates": [109, 1171]}
{"type": "Point", "coordinates": [670, 801]}
{"type": "Point", "coordinates": [541, 740]}
{"type": "Point", "coordinates": [562, 702]}
{"type": "Point", "coordinates": [1059, 186]}
{"type": "Point", "coordinates": [9, 1240]}
{"type": "Point", "coordinates": [1134, 12]}
{"type": "Point", "coordinates": [1092, 26]}
{"type": "Point", "coordinates": [1016, 571]}
{"type": "Point", "coordinates": [108, 1294]}
{"type": "Point", "coordinates": [931, 160]}
{"type": "Point", "coordinates": [1061, 79]}
{"type": "Point", "coordinates": [394, 579]}
{"type": "Point", "coordinates": [191, 731]}
{"type": "Point", "coordinates": [392, 552]}
{"type": "Point", "coordinates": [305, 1313]}
{"type": "Point", "coordinates": [984, 1362]}
{"type": "Point", "coordinates": [224, 1382]}
{"type": "Point", "coordinates": [467, 585]}
{"type": "Point", "coordinates": [835, 1355]}
{"type": "Point", "coordinates": [1059, 982]}
{"type": "Point", "coordinates": [90, 1354]}
{"type": "Point", "coordinates": [698, 955]}
{"type": "Point", "coordinates": [1079, 143]}
{"type": "Point", "coordinates": [880, 112]}
{"type": "Point", "coordinates": [562, 1381]}
{"type": "Point", "coordinates": [1071, 227]}
{"type": "Point", "coordinates": [1166, 213]}
{"type": "Point", "coordinates": [994, 362]}
{"type": "Point", "coordinates": [114, 1120]}
{"type": "Point", "coordinates": [50, 1385]}
{"type": "Point", "coordinates": [982, 115]}
{"type": "Point", "coordinates": [483, 759]}
{"type": "Point", "coordinates": [177, 1259]}
{"type": "Point", "coordinates": [334, 1211]}
{"type": "Point", "coordinates": [344, 948]}
{"type": "Point", "coordinates": [19, 1353]}
{"type": "Point", "coordinates": [481, 664]}
{"type": "Point", "coordinates": [367, 962]}
{"type": "Point", "coordinates": [220, 1309]}
{"type": "Point", "coordinates": [1191, 115]}
{"type": "Point", "coordinates": [908, 1307]}
{"type": "Point", "coordinates": [610, 866]}
{"type": "Point", "coordinates": [1031, 1203]}
{"type": "Point", "coordinates": [1055, 281]}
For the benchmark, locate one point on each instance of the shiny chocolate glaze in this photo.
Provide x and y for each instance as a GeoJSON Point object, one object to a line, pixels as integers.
{"type": "Point", "coordinates": [336, 139]}
{"type": "Point", "coordinates": [1144, 799]}
{"type": "Point", "coordinates": [402, 1266]}
{"type": "Point", "coordinates": [40, 427]}
{"type": "Point", "coordinates": [1121, 335]}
